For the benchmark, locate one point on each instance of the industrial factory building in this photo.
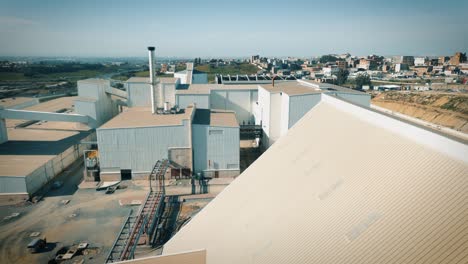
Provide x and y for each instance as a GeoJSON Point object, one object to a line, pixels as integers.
{"type": "Point", "coordinates": [191, 76]}
{"type": "Point", "coordinates": [197, 125]}
{"type": "Point", "coordinates": [310, 200]}
{"type": "Point", "coordinates": [39, 143]}
{"type": "Point", "coordinates": [193, 124]}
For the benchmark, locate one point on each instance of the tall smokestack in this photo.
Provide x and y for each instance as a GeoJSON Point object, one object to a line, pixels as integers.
{"type": "Point", "coordinates": [152, 78]}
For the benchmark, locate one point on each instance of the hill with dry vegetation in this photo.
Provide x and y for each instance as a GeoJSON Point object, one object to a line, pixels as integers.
{"type": "Point", "coordinates": [445, 109]}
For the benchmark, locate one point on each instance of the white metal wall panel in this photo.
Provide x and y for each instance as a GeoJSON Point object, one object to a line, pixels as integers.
{"type": "Point", "coordinates": [284, 126]}
{"type": "Point", "coordinates": [360, 99]}
{"type": "Point", "coordinates": [275, 117]}
{"type": "Point", "coordinates": [218, 99]}
{"type": "Point", "coordinates": [215, 148]}
{"type": "Point", "coordinates": [264, 109]}
{"type": "Point", "coordinates": [201, 100]}
{"type": "Point", "coordinates": [12, 185]}
{"type": "Point", "coordinates": [25, 104]}
{"type": "Point", "coordinates": [169, 93]}
{"type": "Point", "coordinates": [96, 89]}
{"type": "Point", "coordinates": [200, 78]}
{"type": "Point", "coordinates": [182, 77]}
{"type": "Point", "coordinates": [88, 89]}
{"type": "Point", "coordinates": [139, 148]}
{"type": "Point", "coordinates": [300, 105]}
{"type": "Point", "coordinates": [3, 131]}
{"type": "Point", "coordinates": [240, 103]}
{"type": "Point", "coordinates": [139, 94]}
{"type": "Point", "coordinates": [86, 108]}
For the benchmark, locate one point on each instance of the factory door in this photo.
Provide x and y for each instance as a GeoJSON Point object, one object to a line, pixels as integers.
{"type": "Point", "coordinates": [126, 174]}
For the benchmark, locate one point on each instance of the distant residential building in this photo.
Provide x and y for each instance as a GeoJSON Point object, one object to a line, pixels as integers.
{"type": "Point", "coordinates": [387, 87]}
{"type": "Point", "coordinates": [422, 88]}
{"type": "Point", "coordinates": [386, 68]}
{"type": "Point", "coordinates": [457, 58]}
{"type": "Point", "coordinates": [420, 61]}
{"type": "Point", "coordinates": [330, 70]}
{"type": "Point", "coordinates": [163, 68]}
{"type": "Point", "coordinates": [443, 60]}
{"type": "Point", "coordinates": [399, 67]}
{"type": "Point", "coordinates": [367, 64]}
{"type": "Point", "coordinates": [284, 72]}
{"type": "Point", "coordinates": [342, 64]}
{"type": "Point", "coordinates": [409, 60]}
{"type": "Point", "coordinates": [254, 58]}
{"type": "Point", "coordinates": [423, 70]}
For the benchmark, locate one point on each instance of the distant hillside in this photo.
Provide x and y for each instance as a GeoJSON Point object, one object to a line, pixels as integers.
{"type": "Point", "coordinates": [449, 110]}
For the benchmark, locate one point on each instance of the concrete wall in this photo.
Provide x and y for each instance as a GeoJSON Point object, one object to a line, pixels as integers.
{"type": "Point", "coordinates": [202, 101]}
{"type": "Point", "coordinates": [215, 148]}
{"type": "Point", "coordinates": [138, 149]}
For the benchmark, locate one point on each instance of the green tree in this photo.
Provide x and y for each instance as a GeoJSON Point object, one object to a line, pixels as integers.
{"type": "Point", "coordinates": [361, 80]}
{"type": "Point", "coordinates": [341, 76]}
{"type": "Point", "coordinates": [328, 58]}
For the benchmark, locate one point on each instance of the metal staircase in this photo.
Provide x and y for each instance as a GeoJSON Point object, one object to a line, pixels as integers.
{"type": "Point", "coordinates": [142, 226]}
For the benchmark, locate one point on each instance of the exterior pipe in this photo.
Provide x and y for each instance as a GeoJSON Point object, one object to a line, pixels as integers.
{"type": "Point", "coordinates": [152, 75]}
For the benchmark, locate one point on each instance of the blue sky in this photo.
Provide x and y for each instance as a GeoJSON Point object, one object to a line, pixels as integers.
{"type": "Point", "coordinates": [209, 28]}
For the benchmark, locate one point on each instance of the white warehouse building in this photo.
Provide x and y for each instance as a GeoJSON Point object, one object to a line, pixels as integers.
{"type": "Point", "coordinates": [197, 125]}
{"type": "Point", "coordinates": [191, 75]}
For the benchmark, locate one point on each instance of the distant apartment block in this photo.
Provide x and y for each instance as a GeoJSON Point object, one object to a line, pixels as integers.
{"type": "Point", "coordinates": [409, 60]}
{"type": "Point", "coordinates": [342, 64]}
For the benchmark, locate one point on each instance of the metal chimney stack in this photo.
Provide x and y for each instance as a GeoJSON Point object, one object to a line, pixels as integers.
{"type": "Point", "coordinates": [152, 78]}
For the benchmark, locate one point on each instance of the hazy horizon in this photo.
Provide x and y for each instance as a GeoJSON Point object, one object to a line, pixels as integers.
{"type": "Point", "coordinates": [188, 29]}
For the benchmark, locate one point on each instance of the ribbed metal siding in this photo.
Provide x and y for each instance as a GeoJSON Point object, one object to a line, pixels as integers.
{"type": "Point", "coordinates": [202, 100]}
{"type": "Point", "coordinates": [221, 151]}
{"type": "Point", "coordinates": [309, 199]}
{"type": "Point", "coordinates": [238, 101]}
{"type": "Point", "coordinates": [86, 108]}
{"type": "Point", "coordinates": [300, 105]}
{"type": "Point", "coordinates": [360, 99]}
{"type": "Point", "coordinates": [139, 94]}
{"type": "Point", "coordinates": [138, 148]}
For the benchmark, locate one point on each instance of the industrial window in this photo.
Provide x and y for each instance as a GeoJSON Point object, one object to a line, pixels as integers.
{"type": "Point", "coordinates": [216, 132]}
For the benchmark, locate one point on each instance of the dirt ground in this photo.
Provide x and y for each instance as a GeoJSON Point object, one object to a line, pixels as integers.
{"type": "Point", "coordinates": [444, 109]}
{"type": "Point", "coordinates": [90, 216]}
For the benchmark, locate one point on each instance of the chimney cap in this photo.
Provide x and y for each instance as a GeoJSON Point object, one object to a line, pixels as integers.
{"type": "Point", "coordinates": [151, 48]}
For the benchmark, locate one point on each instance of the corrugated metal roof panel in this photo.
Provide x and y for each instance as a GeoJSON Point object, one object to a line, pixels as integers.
{"type": "Point", "coordinates": [340, 188]}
